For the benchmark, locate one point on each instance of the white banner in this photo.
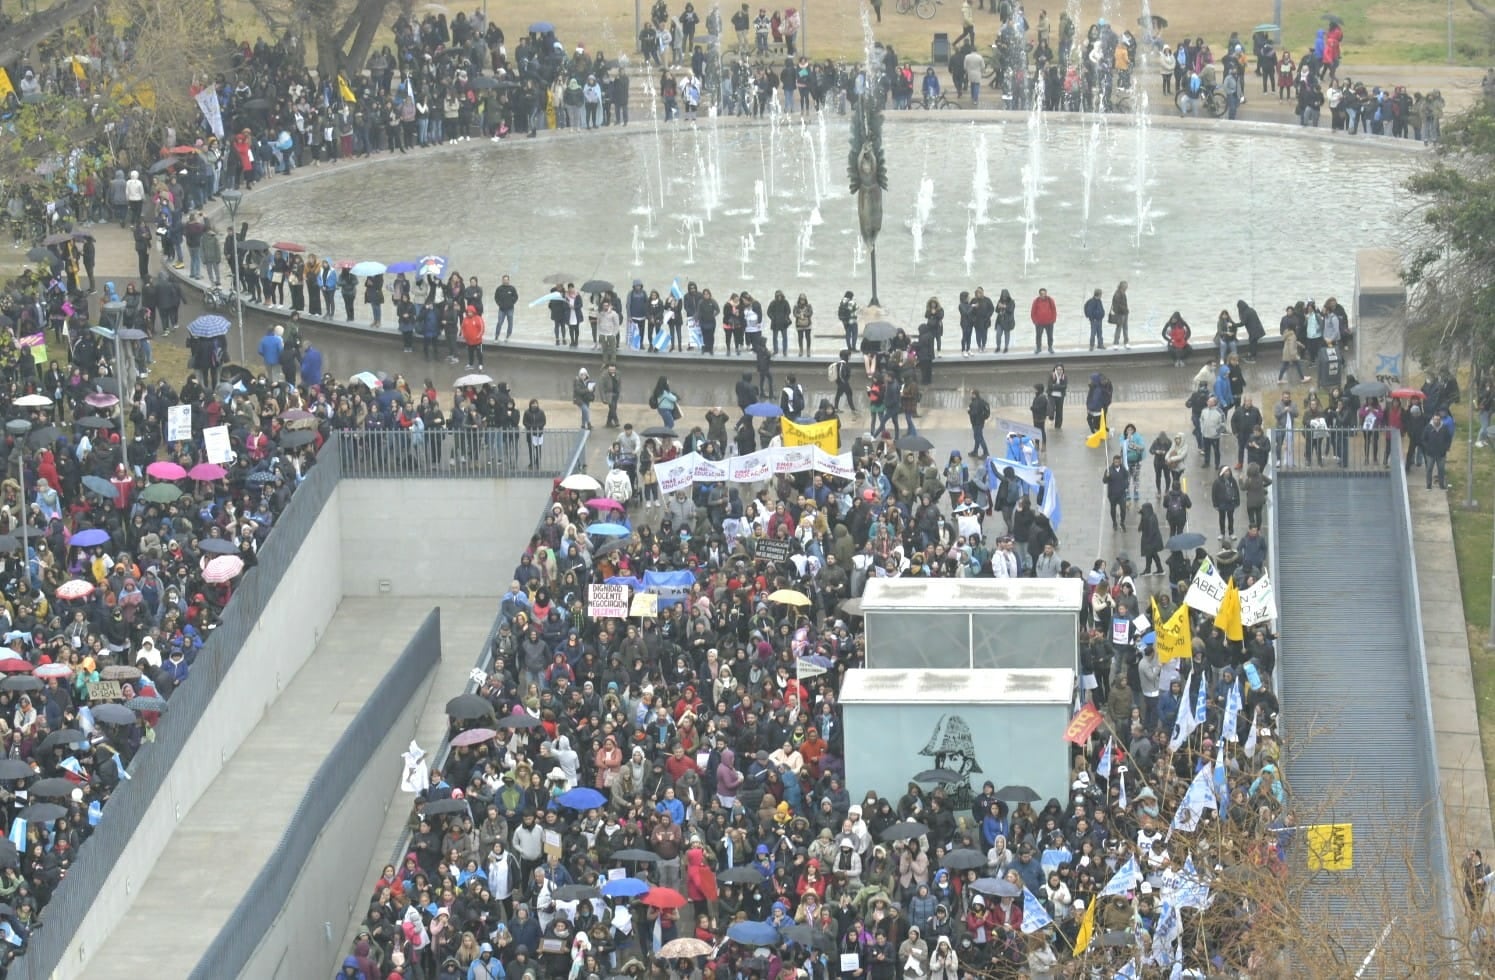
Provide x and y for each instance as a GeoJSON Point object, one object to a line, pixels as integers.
{"type": "Point", "coordinates": [1259, 603]}
{"type": "Point", "coordinates": [752, 468]}
{"type": "Point", "coordinates": [680, 472]}
{"type": "Point", "coordinates": [675, 474]}
{"type": "Point", "coordinates": [1207, 590]}
{"type": "Point", "coordinates": [178, 423]}
{"type": "Point", "coordinates": [207, 101]}
{"type": "Point", "coordinates": [607, 600]}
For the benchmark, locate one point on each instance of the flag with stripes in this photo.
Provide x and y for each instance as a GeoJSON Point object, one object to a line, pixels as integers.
{"type": "Point", "coordinates": [1035, 916]}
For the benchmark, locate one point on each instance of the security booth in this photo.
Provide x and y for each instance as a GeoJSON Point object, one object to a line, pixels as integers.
{"type": "Point", "coordinates": [1006, 725]}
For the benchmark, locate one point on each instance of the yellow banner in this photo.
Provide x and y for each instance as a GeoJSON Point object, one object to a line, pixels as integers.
{"type": "Point", "coordinates": [1331, 847]}
{"type": "Point", "coordinates": [826, 435]}
{"type": "Point", "coordinates": [1174, 639]}
{"type": "Point", "coordinates": [6, 88]}
{"type": "Point", "coordinates": [347, 91]}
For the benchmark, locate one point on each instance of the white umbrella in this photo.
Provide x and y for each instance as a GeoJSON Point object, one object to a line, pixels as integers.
{"type": "Point", "coordinates": [33, 401]}
{"type": "Point", "coordinates": [473, 381]}
{"type": "Point", "coordinates": [581, 481]}
{"type": "Point", "coordinates": [548, 297]}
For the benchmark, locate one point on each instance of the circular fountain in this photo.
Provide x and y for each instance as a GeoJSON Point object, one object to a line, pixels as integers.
{"type": "Point", "coordinates": [1193, 216]}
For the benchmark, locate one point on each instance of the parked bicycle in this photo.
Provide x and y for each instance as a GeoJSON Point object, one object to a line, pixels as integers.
{"type": "Point", "coordinates": [925, 9]}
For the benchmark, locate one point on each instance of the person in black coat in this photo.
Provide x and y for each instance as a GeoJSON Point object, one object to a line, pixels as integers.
{"type": "Point", "coordinates": [1254, 329]}
{"type": "Point", "coordinates": [1225, 495]}
{"type": "Point", "coordinates": [1152, 540]}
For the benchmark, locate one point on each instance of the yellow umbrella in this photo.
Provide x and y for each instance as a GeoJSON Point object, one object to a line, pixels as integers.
{"type": "Point", "coordinates": [789, 597]}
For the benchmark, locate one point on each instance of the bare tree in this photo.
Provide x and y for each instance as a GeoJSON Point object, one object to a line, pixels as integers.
{"type": "Point", "coordinates": [341, 32]}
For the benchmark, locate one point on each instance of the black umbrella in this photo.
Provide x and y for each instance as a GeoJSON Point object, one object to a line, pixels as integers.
{"type": "Point", "coordinates": [111, 385]}
{"type": "Point", "coordinates": [254, 245]}
{"type": "Point", "coordinates": [635, 854]}
{"type": "Point", "coordinates": [1371, 389]}
{"type": "Point", "coordinates": [483, 83]}
{"type": "Point", "coordinates": [1332, 18]}
{"type": "Point", "coordinates": [436, 808]}
{"type": "Point", "coordinates": [9, 543]}
{"type": "Point", "coordinates": [18, 427]}
{"type": "Point", "coordinates": [1017, 794]}
{"type": "Point", "coordinates": [9, 858]}
{"type": "Point", "coordinates": [879, 331]}
{"type": "Point", "coordinates": [11, 769]}
{"type": "Point", "coordinates": [576, 893]}
{"type": "Point", "coordinates": [113, 714]}
{"type": "Point", "coordinates": [63, 736]}
{"type": "Point", "coordinates": [55, 788]}
{"type": "Point", "coordinates": [903, 830]}
{"type": "Point", "coordinates": [256, 105]}
{"type": "Point", "coordinates": [937, 776]}
{"type": "Point", "coordinates": [1118, 937]}
{"type": "Point", "coordinates": [44, 436]}
{"type": "Point", "coordinates": [914, 444]}
{"type": "Point", "coordinates": [100, 486]}
{"type": "Point", "coordinates": [963, 859]}
{"type": "Point", "coordinates": [296, 438]}
{"type": "Point", "coordinates": [163, 165]}
{"type": "Point", "coordinates": [810, 937]}
{"type": "Point", "coordinates": [217, 546]}
{"type": "Point", "coordinates": [659, 432]}
{"type": "Point", "coordinates": [61, 238]}
{"type": "Point", "coordinates": [594, 286]}
{"type": "Point", "coordinates": [745, 875]}
{"type": "Point", "coordinates": [519, 721]}
{"type": "Point", "coordinates": [40, 254]}
{"type": "Point", "coordinates": [1185, 541]}
{"type": "Point", "coordinates": [1000, 887]}
{"type": "Point", "coordinates": [43, 812]}
{"type": "Point", "coordinates": [21, 682]}
{"type": "Point", "coordinates": [466, 707]}
{"type": "Point", "coordinates": [1158, 23]}
{"type": "Point", "coordinates": [95, 422]}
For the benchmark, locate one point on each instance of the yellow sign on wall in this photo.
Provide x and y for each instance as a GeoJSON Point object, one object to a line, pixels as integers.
{"type": "Point", "coordinates": [1331, 847]}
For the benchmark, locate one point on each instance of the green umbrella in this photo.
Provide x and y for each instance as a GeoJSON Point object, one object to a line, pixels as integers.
{"type": "Point", "coordinates": [160, 493]}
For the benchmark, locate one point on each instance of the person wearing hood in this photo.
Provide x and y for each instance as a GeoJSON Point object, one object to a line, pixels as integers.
{"type": "Point", "coordinates": [350, 970]}
{"type": "Point", "coordinates": [1097, 399]}
{"type": "Point", "coordinates": [135, 196]}
{"type": "Point", "coordinates": [700, 881]}
{"type": "Point", "coordinates": [728, 779]}
{"type": "Point", "coordinates": [1225, 495]}
{"type": "Point", "coordinates": [583, 393]}
{"type": "Point", "coordinates": [913, 955]}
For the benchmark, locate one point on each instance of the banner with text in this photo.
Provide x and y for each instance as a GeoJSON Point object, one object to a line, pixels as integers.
{"type": "Point", "coordinates": [679, 473]}
{"type": "Point", "coordinates": [826, 435]}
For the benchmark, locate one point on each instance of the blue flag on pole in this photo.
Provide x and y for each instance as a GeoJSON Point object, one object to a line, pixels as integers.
{"type": "Point", "coordinates": [1103, 766]}
{"type": "Point", "coordinates": [1200, 797]}
{"type": "Point", "coordinates": [1232, 723]}
{"type": "Point", "coordinates": [1035, 916]}
{"type": "Point", "coordinates": [17, 834]}
{"type": "Point", "coordinates": [1124, 880]}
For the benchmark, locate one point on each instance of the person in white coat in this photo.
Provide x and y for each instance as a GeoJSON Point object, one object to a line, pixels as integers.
{"type": "Point", "coordinates": [565, 757]}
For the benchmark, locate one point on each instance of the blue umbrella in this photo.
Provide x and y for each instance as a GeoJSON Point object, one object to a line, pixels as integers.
{"type": "Point", "coordinates": [552, 295]}
{"type": "Point", "coordinates": [542, 27]}
{"type": "Point", "coordinates": [208, 325]}
{"type": "Point", "coordinates": [765, 410]}
{"type": "Point", "coordinates": [753, 933]}
{"type": "Point", "coordinates": [367, 268]}
{"type": "Point", "coordinates": [624, 888]}
{"type": "Point", "coordinates": [608, 530]}
{"type": "Point", "coordinates": [394, 268]}
{"type": "Point", "coordinates": [261, 476]}
{"type": "Point", "coordinates": [581, 798]}
{"type": "Point", "coordinates": [90, 537]}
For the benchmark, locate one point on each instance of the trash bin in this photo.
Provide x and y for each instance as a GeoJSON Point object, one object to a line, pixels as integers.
{"type": "Point", "coordinates": [939, 51]}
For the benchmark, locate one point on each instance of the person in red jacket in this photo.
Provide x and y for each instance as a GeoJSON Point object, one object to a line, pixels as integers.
{"type": "Point", "coordinates": [472, 336]}
{"type": "Point", "coordinates": [1044, 315]}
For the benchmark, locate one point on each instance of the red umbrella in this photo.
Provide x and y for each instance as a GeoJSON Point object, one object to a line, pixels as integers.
{"type": "Point", "coordinates": [344, 264]}
{"type": "Point", "coordinates": [473, 736]}
{"type": "Point", "coordinates": [75, 589]}
{"type": "Point", "coordinates": [15, 665]}
{"type": "Point", "coordinates": [664, 898]}
{"type": "Point", "coordinates": [288, 247]}
{"type": "Point", "coordinates": [207, 472]}
{"type": "Point", "coordinates": [184, 148]}
{"type": "Point", "coordinates": [222, 569]}
{"type": "Point", "coordinates": [1406, 393]}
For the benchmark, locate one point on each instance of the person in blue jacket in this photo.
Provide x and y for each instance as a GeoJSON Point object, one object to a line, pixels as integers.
{"type": "Point", "coordinates": [271, 346]}
{"type": "Point", "coordinates": [350, 970]}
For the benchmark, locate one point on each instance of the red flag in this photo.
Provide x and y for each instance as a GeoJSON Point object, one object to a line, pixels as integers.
{"type": "Point", "coordinates": [1083, 725]}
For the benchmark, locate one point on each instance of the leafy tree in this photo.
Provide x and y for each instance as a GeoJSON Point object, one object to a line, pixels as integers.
{"type": "Point", "coordinates": [1450, 270]}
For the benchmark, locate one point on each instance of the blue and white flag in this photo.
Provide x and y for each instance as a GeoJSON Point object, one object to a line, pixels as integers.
{"type": "Point", "coordinates": [1128, 971]}
{"type": "Point", "coordinates": [17, 835]}
{"type": "Point", "coordinates": [1200, 797]}
{"type": "Point", "coordinates": [1168, 931]}
{"type": "Point", "coordinates": [1035, 916]}
{"type": "Point", "coordinates": [662, 338]}
{"type": "Point", "coordinates": [1184, 724]}
{"type": "Point", "coordinates": [1250, 745]}
{"type": "Point", "coordinates": [1039, 481]}
{"type": "Point", "coordinates": [1121, 779]}
{"type": "Point", "coordinates": [1053, 857]}
{"type": "Point", "coordinates": [1201, 703]}
{"type": "Point", "coordinates": [675, 289]}
{"type": "Point", "coordinates": [1103, 765]}
{"type": "Point", "coordinates": [1232, 723]}
{"type": "Point", "coordinates": [1192, 891]}
{"type": "Point", "coordinates": [1124, 880]}
{"type": "Point", "coordinates": [1222, 779]}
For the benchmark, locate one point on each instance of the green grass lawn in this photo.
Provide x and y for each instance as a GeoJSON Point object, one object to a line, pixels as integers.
{"type": "Point", "coordinates": [1472, 536]}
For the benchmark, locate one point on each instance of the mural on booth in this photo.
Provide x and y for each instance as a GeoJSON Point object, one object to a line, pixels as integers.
{"type": "Point", "coordinates": [953, 750]}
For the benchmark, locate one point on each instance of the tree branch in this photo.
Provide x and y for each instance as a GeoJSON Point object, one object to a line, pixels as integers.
{"type": "Point", "coordinates": [36, 28]}
{"type": "Point", "coordinates": [1481, 8]}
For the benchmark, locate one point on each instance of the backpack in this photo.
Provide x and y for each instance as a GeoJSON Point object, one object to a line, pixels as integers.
{"type": "Point", "coordinates": [832, 370]}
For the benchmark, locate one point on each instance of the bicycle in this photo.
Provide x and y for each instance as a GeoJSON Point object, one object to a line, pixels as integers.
{"type": "Point", "coordinates": [925, 9]}
{"type": "Point", "coordinates": [941, 101]}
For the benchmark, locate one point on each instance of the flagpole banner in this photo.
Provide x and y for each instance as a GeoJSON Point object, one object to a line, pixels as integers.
{"type": "Point", "coordinates": [826, 435]}
{"type": "Point", "coordinates": [1083, 724]}
{"type": "Point", "coordinates": [840, 467]}
{"type": "Point", "coordinates": [1207, 590]}
{"type": "Point", "coordinates": [675, 474]}
{"type": "Point", "coordinates": [1174, 637]}
{"type": "Point", "coordinates": [1259, 603]}
{"type": "Point", "coordinates": [207, 101]}
{"type": "Point", "coordinates": [794, 459]}
{"type": "Point", "coordinates": [752, 468]}
{"type": "Point", "coordinates": [682, 471]}
{"type": "Point", "coordinates": [709, 470]}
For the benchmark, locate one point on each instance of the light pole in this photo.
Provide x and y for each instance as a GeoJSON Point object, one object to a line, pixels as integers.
{"type": "Point", "coordinates": [21, 427]}
{"type": "Point", "coordinates": [232, 198]}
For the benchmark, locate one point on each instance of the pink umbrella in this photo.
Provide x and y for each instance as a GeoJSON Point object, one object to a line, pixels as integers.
{"type": "Point", "coordinates": [75, 589]}
{"type": "Point", "coordinates": [295, 415]}
{"type": "Point", "coordinates": [52, 670]}
{"type": "Point", "coordinates": [222, 569]}
{"type": "Point", "coordinates": [102, 399]}
{"type": "Point", "coordinates": [473, 736]}
{"type": "Point", "coordinates": [604, 503]}
{"type": "Point", "coordinates": [166, 470]}
{"type": "Point", "coordinates": [207, 472]}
